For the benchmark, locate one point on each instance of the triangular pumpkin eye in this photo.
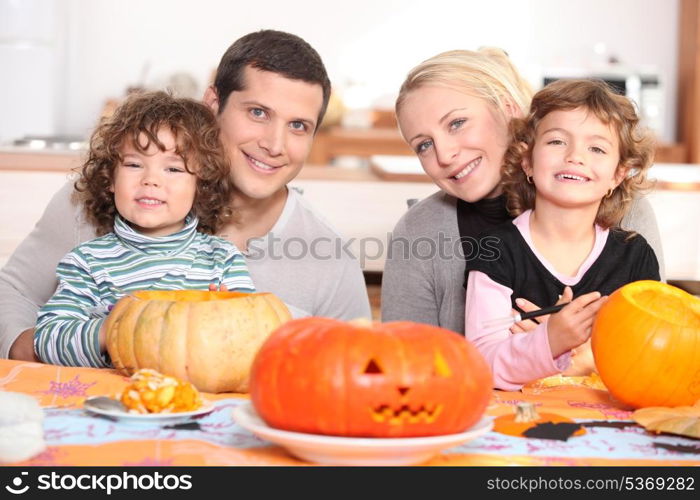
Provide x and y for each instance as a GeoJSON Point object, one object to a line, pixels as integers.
{"type": "Point", "coordinates": [440, 366]}
{"type": "Point", "coordinates": [372, 368]}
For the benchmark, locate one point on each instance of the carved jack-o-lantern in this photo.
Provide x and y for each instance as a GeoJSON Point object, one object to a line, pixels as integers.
{"type": "Point", "coordinates": [323, 376]}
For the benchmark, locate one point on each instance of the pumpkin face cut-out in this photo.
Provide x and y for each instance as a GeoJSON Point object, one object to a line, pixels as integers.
{"type": "Point", "coordinates": [395, 408]}
{"type": "Point", "coordinates": [646, 344]}
{"type": "Point", "coordinates": [402, 379]}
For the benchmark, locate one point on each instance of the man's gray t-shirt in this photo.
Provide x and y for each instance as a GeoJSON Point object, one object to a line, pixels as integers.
{"type": "Point", "coordinates": [302, 261]}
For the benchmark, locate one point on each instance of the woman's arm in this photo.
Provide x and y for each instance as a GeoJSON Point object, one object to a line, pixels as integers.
{"type": "Point", "coordinates": [641, 219]}
{"type": "Point", "coordinates": [408, 292]}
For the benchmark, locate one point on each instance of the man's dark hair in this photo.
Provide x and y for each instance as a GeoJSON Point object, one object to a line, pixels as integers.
{"type": "Point", "coordinates": [276, 52]}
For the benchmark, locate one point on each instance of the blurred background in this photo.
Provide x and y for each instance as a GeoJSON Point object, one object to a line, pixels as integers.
{"type": "Point", "coordinates": [66, 63]}
{"type": "Point", "coordinates": [65, 60]}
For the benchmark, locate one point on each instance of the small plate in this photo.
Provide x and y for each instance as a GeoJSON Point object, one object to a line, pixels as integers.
{"type": "Point", "coordinates": [149, 418]}
{"type": "Point", "coordinates": [335, 450]}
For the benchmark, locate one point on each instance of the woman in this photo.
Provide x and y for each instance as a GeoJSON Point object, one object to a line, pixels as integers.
{"type": "Point", "coordinates": [453, 110]}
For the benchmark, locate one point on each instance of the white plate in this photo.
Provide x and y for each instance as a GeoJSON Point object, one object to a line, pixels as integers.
{"type": "Point", "coordinates": [335, 450]}
{"type": "Point", "coordinates": [149, 418]}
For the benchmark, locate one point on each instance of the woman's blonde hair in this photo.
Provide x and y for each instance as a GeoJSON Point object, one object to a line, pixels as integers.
{"type": "Point", "coordinates": [486, 73]}
{"type": "Point", "coordinates": [616, 111]}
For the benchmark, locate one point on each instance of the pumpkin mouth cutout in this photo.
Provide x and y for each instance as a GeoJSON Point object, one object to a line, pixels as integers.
{"type": "Point", "coordinates": [672, 304]}
{"type": "Point", "coordinates": [385, 414]}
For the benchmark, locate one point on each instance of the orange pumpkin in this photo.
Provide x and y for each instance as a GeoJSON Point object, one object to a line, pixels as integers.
{"type": "Point", "coordinates": [322, 376]}
{"type": "Point", "coordinates": [646, 345]}
{"type": "Point", "coordinates": [207, 338]}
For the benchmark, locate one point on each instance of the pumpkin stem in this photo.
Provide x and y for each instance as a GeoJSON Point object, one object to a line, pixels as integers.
{"type": "Point", "coordinates": [526, 412]}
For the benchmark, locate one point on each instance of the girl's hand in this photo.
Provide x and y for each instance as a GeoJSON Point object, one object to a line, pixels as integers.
{"type": "Point", "coordinates": [527, 306]}
{"type": "Point", "coordinates": [222, 288]}
{"type": "Point", "coordinates": [527, 325]}
{"type": "Point", "coordinates": [582, 362]}
{"type": "Point", "coordinates": [571, 327]}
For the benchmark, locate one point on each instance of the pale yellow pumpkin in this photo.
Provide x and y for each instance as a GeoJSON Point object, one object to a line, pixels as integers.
{"type": "Point", "coordinates": [207, 338]}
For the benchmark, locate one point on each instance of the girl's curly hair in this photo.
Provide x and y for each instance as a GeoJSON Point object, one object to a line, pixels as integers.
{"type": "Point", "coordinates": [636, 144]}
{"type": "Point", "coordinates": [138, 121]}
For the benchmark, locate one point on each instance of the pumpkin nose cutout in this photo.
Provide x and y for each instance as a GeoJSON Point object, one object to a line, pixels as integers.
{"type": "Point", "coordinates": [402, 390]}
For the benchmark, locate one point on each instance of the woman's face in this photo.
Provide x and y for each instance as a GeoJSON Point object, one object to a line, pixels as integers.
{"type": "Point", "coordinates": [460, 140]}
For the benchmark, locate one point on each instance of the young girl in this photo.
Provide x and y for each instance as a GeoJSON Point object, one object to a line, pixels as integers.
{"type": "Point", "coordinates": [569, 174]}
{"type": "Point", "coordinates": [156, 175]}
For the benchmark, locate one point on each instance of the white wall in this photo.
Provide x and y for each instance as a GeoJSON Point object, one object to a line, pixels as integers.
{"type": "Point", "coordinates": [372, 43]}
{"type": "Point", "coordinates": [31, 35]}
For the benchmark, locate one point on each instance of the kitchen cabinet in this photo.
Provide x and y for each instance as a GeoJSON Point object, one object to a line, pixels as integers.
{"type": "Point", "coordinates": [27, 159]}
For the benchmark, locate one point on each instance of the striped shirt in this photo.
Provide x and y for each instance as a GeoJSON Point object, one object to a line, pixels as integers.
{"type": "Point", "coordinates": [96, 274]}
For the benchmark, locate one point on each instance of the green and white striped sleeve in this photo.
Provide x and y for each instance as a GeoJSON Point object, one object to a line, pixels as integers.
{"type": "Point", "coordinates": [235, 273]}
{"type": "Point", "coordinates": [67, 329]}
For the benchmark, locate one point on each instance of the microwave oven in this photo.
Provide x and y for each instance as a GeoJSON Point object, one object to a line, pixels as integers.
{"type": "Point", "coordinates": [644, 89]}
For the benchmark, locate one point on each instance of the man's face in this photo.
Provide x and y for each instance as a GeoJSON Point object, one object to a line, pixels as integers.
{"type": "Point", "coordinates": [267, 130]}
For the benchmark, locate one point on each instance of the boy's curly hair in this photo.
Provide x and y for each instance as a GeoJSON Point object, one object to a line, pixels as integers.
{"type": "Point", "coordinates": [636, 144]}
{"type": "Point", "coordinates": [138, 120]}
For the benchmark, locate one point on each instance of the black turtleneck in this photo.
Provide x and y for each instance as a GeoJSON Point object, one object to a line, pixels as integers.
{"type": "Point", "coordinates": [475, 218]}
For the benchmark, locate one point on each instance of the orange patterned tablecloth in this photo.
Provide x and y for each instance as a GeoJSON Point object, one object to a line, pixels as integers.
{"type": "Point", "coordinates": [77, 438]}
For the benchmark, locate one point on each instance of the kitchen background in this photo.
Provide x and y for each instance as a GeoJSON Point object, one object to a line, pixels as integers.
{"type": "Point", "coordinates": [63, 59]}
{"type": "Point", "coordinates": [66, 62]}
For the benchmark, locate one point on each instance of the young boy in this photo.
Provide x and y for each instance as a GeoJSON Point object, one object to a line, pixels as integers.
{"type": "Point", "coordinates": [155, 183]}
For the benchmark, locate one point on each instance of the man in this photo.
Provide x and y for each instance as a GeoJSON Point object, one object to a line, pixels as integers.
{"type": "Point", "coordinates": [270, 94]}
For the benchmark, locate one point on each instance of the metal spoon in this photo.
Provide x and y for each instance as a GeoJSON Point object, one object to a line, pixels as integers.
{"type": "Point", "coordinates": [104, 403]}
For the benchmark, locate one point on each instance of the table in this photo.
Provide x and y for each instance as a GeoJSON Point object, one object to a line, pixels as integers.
{"type": "Point", "coordinates": [76, 438]}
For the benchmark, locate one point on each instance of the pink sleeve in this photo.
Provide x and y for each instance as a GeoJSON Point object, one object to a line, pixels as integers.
{"type": "Point", "coordinates": [515, 358]}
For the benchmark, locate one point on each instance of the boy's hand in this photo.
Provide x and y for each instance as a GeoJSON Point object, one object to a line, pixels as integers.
{"type": "Point", "coordinates": [571, 326]}
{"type": "Point", "coordinates": [222, 288]}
